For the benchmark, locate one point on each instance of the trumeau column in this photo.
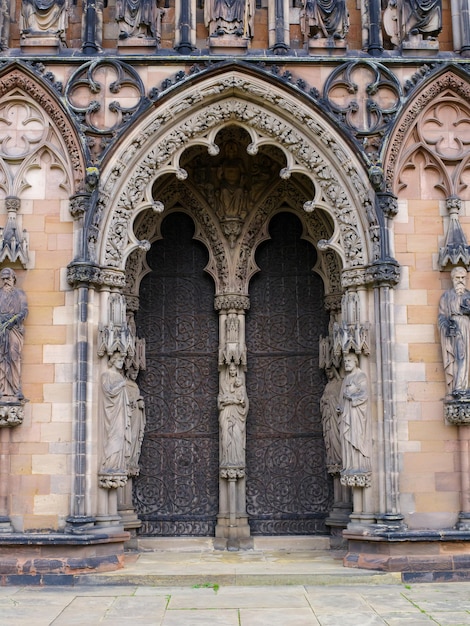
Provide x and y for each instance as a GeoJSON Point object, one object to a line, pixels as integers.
{"type": "Point", "coordinates": [232, 529]}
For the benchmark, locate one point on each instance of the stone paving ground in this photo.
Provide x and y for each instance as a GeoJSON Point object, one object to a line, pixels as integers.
{"type": "Point", "coordinates": [252, 588]}
{"type": "Point", "coordinates": [419, 604]}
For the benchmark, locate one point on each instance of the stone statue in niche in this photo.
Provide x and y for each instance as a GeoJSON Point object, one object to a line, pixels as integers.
{"type": "Point", "coordinates": [115, 420]}
{"type": "Point", "coordinates": [229, 17]}
{"type": "Point", "coordinates": [330, 420]}
{"type": "Point", "coordinates": [4, 24]}
{"type": "Point", "coordinates": [324, 19]}
{"type": "Point", "coordinates": [44, 18]}
{"type": "Point", "coordinates": [454, 328]}
{"type": "Point", "coordinates": [232, 403]}
{"type": "Point", "coordinates": [13, 311]}
{"type": "Point", "coordinates": [355, 424]}
{"type": "Point", "coordinates": [232, 192]}
{"type": "Point", "coordinates": [422, 17]}
{"type": "Point", "coordinates": [139, 18]}
{"type": "Point", "coordinates": [409, 19]}
{"type": "Point", "coordinates": [137, 418]}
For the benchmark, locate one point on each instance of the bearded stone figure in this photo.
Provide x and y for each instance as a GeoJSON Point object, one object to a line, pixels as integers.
{"type": "Point", "coordinates": [13, 311]}
{"type": "Point", "coordinates": [355, 426]}
{"type": "Point", "coordinates": [454, 327]}
{"type": "Point", "coordinates": [233, 408]}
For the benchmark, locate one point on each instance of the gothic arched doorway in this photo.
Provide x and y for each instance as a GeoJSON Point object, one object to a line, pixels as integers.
{"type": "Point", "coordinates": [288, 489]}
{"type": "Point", "coordinates": [176, 492]}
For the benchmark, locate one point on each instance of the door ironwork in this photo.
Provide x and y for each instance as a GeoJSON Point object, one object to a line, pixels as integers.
{"type": "Point", "coordinates": [176, 493]}
{"type": "Point", "coordinates": [288, 488]}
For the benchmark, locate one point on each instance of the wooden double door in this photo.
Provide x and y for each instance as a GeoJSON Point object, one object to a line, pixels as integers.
{"type": "Point", "coordinates": [288, 488]}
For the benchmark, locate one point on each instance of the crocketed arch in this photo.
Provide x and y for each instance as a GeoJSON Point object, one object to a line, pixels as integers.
{"type": "Point", "coordinates": [432, 134]}
{"type": "Point", "coordinates": [271, 114]}
{"type": "Point", "coordinates": [18, 77]}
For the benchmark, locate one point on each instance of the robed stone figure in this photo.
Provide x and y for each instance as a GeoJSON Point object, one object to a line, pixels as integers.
{"type": "Point", "coordinates": [233, 408]}
{"type": "Point", "coordinates": [355, 421]}
{"type": "Point", "coordinates": [13, 311]}
{"type": "Point", "coordinates": [116, 415]}
{"type": "Point", "coordinates": [229, 17]}
{"type": "Point", "coordinates": [139, 18]}
{"type": "Point", "coordinates": [454, 327]}
{"type": "Point", "coordinates": [324, 19]}
{"type": "Point", "coordinates": [44, 17]}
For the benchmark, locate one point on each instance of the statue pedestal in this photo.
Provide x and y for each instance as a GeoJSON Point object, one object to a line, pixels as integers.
{"type": "Point", "coordinates": [417, 46]}
{"type": "Point", "coordinates": [457, 411]}
{"type": "Point", "coordinates": [228, 44]}
{"type": "Point", "coordinates": [40, 44]}
{"type": "Point", "coordinates": [232, 531]}
{"type": "Point", "coordinates": [136, 45]}
{"type": "Point", "coordinates": [331, 47]}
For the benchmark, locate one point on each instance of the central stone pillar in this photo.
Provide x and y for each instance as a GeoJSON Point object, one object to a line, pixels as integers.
{"type": "Point", "coordinates": [232, 531]}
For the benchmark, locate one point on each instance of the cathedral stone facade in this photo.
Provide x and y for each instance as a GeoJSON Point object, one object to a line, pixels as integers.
{"type": "Point", "coordinates": [234, 257]}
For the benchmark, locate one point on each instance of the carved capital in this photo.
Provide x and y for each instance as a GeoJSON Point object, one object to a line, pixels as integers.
{"type": "Point", "coordinates": [112, 480]}
{"type": "Point", "coordinates": [353, 278]}
{"type": "Point", "coordinates": [79, 204]}
{"type": "Point", "coordinates": [11, 414]}
{"type": "Point", "coordinates": [388, 203]}
{"type": "Point", "coordinates": [457, 412]}
{"type": "Point", "coordinates": [12, 203]}
{"type": "Point", "coordinates": [332, 302]}
{"type": "Point", "coordinates": [79, 273]}
{"type": "Point", "coordinates": [233, 301]}
{"type": "Point", "coordinates": [113, 278]}
{"type": "Point", "coordinates": [232, 473]}
{"type": "Point", "coordinates": [383, 273]}
{"type": "Point", "coordinates": [356, 480]}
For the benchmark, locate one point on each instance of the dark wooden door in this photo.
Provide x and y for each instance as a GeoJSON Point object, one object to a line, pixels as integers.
{"type": "Point", "coordinates": [288, 488]}
{"type": "Point", "coordinates": [176, 493]}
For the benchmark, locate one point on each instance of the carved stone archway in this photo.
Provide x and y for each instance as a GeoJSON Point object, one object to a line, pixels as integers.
{"type": "Point", "coordinates": [337, 210]}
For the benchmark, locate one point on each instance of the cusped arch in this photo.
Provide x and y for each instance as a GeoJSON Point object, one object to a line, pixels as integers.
{"type": "Point", "coordinates": [436, 125]}
{"type": "Point", "coordinates": [271, 114]}
{"type": "Point", "coordinates": [18, 77]}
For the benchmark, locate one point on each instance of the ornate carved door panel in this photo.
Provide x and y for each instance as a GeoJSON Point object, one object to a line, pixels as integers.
{"type": "Point", "coordinates": [177, 490]}
{"type": "Point", "coordinates": [288, 488]}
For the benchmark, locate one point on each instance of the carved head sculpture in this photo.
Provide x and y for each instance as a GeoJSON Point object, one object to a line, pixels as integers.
{"type": "Point", "coordinates": [8, 276]}
{"type": "Point", "coordinates": [459, 279]}
{"type": "Point", "coordinates": [350, 362]}
{"type": "Point", "coordinates": [116, 360]}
